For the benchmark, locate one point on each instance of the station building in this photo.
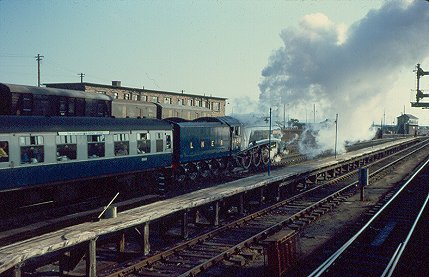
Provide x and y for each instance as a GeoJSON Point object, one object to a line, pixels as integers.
{"type": "Point", "coordinates": [134, 102]}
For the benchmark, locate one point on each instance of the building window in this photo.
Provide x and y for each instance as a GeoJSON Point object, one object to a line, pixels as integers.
{"type": "Point", "coordinates": [204, 104]}
{"type": "Point", "coordinates": [121, 144]}
{"type": "Point", "coordinates": [143, 143]}
{"type": "Point", "coordinates": [190, 102]}
{"type": "Point", "coordinates": [136, 97]}
{"type": "Point", "coordinates": [31, 149]}
{"type": "Point", "coordinates": [154, 99]}
{"type": "Point", "coordinates": [101, 92]}
{"type": "Point", "coordinates": [180, 102]}
{"type": "Point", "coordinates": [197, 103]}
{"type": "Point", "coordinates": [66, 148]}
{"type": "Point", "coordinates": [115, 95]}
{"type": "Point", "coordinates": [96, 146]}
{"type": "Point", "coordinates": [216, 106]}
{"type": "Point", "coordinates": [167, 100]}
{"type": "Point", "coordinates": [127, 96]}
{"type": "Point", "coordinates": [143, 98]}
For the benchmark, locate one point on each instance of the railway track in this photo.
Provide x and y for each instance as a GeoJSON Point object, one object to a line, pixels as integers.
{"type": "Point", "coordinates": [376, 248]}
{"type": "Point", "coordinates": [25, 222]}
{"type": "Point", "coordinates": [236, 238]}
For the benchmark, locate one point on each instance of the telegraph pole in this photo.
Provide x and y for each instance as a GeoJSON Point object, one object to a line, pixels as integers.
{"type": "Point", "coordinates": [81, 76]}
{"type": "Point", "coordinates": [38, 59]}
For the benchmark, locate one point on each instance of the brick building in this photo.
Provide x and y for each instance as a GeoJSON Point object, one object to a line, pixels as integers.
{"type": "Point", "coordinates": [133, 102]}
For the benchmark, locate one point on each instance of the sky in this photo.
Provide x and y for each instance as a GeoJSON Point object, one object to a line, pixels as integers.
{"type": "Point", "coordinates": [352, 58]}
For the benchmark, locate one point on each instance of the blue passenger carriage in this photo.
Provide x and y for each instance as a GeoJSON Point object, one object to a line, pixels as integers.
{"type": "Point", "coordinates": [46, 150]}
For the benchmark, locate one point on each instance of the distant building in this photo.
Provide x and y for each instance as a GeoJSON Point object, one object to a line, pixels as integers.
{"type": "Point", "coordinates": [407, 124]}
{"type": "Point", "coordinates": [133, 102]}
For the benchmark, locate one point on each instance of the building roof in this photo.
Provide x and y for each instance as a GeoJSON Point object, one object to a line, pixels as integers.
{"type": "Point", "coordinates": [132, 89]}
{"type": "Point", "coordinates": [409, 116]}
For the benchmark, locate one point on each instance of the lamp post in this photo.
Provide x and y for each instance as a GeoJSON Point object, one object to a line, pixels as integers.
{"type": "Point", "coordinates": [269, 147]}
{"type": "Point", "coordinates": [336, 134]}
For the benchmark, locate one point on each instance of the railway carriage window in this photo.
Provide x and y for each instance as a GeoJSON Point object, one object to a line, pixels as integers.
{"type": "Point", "coordinates": [96, 146]}
{"type": "Point", "coordinates": [32, 150]}
{"type": "Point", "coordinates": [4, 151]}
{"type": "Point", "coordinates": [191, 146]}
{"type": "Point", "coordinates": [159, 143]}
{"type": "Point", "coordinates": [72, 103]}
{"type": "Point", "coordinates": [221, 142]}
{"type": "Point", "coordinates": [167, 141]}
{"type": "Point", "coordinates": [100, 108]}
{"type": "Point", "coordinates": [80, 107]}
{"type": "Point", "coordinates": [212, 143]}
{"type": "Point", "coordinates": [143, 143]}
{"type": "Point", "coordinates": [63, 107]}
{"type": "Point", "coordinates": [121, 144]}
{"type": "Point", "coordinates": [27, 104]}
{"type": "Point", "coordinates": [202, 144]}
{"type": "Point", "coordinates": [66, 148]}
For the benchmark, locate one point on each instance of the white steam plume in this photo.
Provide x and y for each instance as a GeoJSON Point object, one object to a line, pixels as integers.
{"type": "Point", "coordinates": [346, 71]}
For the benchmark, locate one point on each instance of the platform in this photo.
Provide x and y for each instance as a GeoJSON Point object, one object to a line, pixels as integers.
{"type": "Point", "coordinates": [15, 254]}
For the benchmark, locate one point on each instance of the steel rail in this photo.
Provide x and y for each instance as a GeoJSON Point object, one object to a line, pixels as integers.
{"type": "Point", "coordinates": [402, 246]}
{"type": "Point", "coordinates": [328, 262]}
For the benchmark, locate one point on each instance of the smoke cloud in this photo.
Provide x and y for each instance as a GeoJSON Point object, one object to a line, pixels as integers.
{"type": "Point", "coordinates": [345, 70]}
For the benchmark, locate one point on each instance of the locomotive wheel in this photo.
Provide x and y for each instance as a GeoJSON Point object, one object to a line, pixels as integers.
{"type": "Point", "coordinates": [203, 169]}
{"type": "Point", "coordinates": [179, 174]}
{"type": "Point", "coordinates": [214, 167]}
{"type": "Point", "coordinates": [246, 160]}
{"type": "Point", "coordinates": [257, 158]}
{"type": "Point", "coordinates": [265, 155]}
{"type": "Point", "coordinates": [191, 171]}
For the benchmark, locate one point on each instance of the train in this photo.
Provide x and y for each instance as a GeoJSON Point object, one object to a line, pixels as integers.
{"type": "Point", "coordinates": [35, 101]}
{"type": "Point", "coordinates": [41, 150]}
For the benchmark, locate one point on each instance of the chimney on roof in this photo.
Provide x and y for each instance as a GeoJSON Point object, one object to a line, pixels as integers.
{"type": "Point", "coordinates": [116, 83]}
